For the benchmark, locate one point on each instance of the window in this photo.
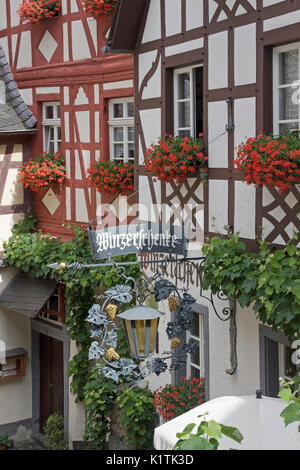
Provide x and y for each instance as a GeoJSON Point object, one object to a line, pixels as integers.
{"type": "Point", "coordinates": [287, 368]}
{"type": "Point", "coordinates": [121, 130]}
{"type": "Point", "coordinates": [195, 363]}
{"type": "Point", "coordinates": [188, 101]}
{"type": "Point", "coordinates": [286, 71]}
{"type": "Point", "coordinates": [51, 127]}
{"type": "Point", "coordinates": [54, 308]}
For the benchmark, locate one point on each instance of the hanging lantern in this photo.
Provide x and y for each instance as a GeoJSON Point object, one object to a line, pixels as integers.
{"type": "Point", "coordinates": [141, 325]}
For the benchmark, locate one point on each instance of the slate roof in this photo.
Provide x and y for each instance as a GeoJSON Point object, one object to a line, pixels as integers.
{"type": "Point", "coordinates": [15, 117]}
{"type": "Point", "coordinates": [27, 296]}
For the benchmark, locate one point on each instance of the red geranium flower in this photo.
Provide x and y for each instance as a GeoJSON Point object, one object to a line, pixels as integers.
{"type": "Point", "coordinates": [111, 177]}
{"type": "Point", "coordinates": [35, 11]}
{"type": "Point", "coordinates": [45, 170]}
{"type": "Point", "coordinates": [172, 159]}
{"type": "Point", "coordinates": [99, 8]}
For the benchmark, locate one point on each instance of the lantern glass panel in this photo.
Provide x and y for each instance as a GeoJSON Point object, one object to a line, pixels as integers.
{"type": "Point", "coordinates": [153, 332]}
{"type": "Point", "coordinates": [130, 336]}
{"type": "Point", "coordinates": [140, 326]}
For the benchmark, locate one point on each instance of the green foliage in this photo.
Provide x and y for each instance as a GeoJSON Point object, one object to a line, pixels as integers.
{"type": "Point", "coordinates": [207, 436]}
{"type": "Point", "coordinates": [289, 394]}
{"type": "Point", "coordinates": [99, 396]}
{"type": "Point", "coordinates": [138, 416]}
{"type": "Point", "coordinates": [268, 279]}
{"type": "Point", "coordinates": [54, 433]}
{"type": "Point", "coordinates": [5, 441]}
{"type": "Point", "coordinates": [32, 252]}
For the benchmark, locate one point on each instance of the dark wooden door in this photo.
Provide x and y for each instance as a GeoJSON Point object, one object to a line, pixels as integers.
{"type": "Point", "coordinates": [51, 378]}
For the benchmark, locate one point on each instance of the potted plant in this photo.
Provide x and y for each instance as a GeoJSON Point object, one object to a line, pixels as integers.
{"type": "Point", "coordinates": [45, 171]}
{"type": "Point", "coordinates": [270, 160]}
{"type": "Point", "coordinates": [5, 442]}
{"type": "Point", "coordinates": [174, 159]}
{"type": "Point", "coordinates": [99, 8]}
{"type": "Point", "coordinates": [111, 177]}
{"type": "Point", "coordinates": [35, 11]}
{"type": "Point", "coordinates": [174, 400]}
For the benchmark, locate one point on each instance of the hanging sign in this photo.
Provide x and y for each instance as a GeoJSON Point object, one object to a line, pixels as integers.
{"type": "Point", "coordinates": [137, 239]}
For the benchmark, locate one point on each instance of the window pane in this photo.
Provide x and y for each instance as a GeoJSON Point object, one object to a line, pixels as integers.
{"type": "Point", "coordinates": [184, 133]}
{"type": "Point", "coordinates": [118, 134]}
{"type": "Point", "coordinates": [287, 109]}
{"type": "Point", "coordinates": [118, 110]}
{"type": "Point", "coordinates": [184, 114]}
{"type": "Point", "coordinates": [51, 147]}
{"type": "Point", "coordinates": [195, 357]}
{"type": "Point", "coordinates": [195, 373]}
{"type": "Point", "coordinates": [130, 134]}
{"type": "Point", "coordinates": [51, 134]}
{"type": "Point", "coordinates": [288, 67]}
{"type": "Point", "coordinates": [118, 151]}
{"type": "Point", "coordinates": [58, 111]}
{"type": "Point", "coordinates": [130, 109]}
{"type": "Point", "coordinates": [49, 112]}
{"type": "Point", "coordinates": [131, 151]}
{"type": "Point", "coordinates": [290, 367]}
{"type": "Point", "coordinates": [184, 90]}
{"type": "Point", "coordinates": [53, 303]}
{"type": "Point", "coordinates": [59, 133]}
{"type": "Point", "coordinates": [291, 126]}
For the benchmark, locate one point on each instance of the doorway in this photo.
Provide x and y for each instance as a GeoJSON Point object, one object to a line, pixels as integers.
{"type": "Point", "coordinates": [51, 378]}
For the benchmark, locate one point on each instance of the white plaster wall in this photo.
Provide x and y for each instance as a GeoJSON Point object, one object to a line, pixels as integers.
{"type": "Point", "coordinates": [13, 190]}
{"type": "Point", "coordinates": [3, 21]}
{"type": "Point", "coordinates": [194, 14]}
{"type": "Point", "coordinates": [218, 143]}
{"type": "Point", "coordinates": [151, 123]}
{"type": "Point", "coordinates": [244, 212]}
{"type": "Point", "coordinates": [148, 212]}
{"type": "Point", "coordinates": [152, 29]}
{"type": "Point", "coordinates": [282, 20]}
{"type": "Point", "coordinates": [80, 45]}
{"type": "Point", "coordinates": [184, 47]}
{"type": "Point", "coordinates": [245, 54]}
{"type": "Point", "coordinates": [218, 205]}
{"type": "Point", "coordinates": [173, 17]}
{"type": "Point", "coordinates": [218, 60]}
{"type": "Point", "coordinates": [244, 119]}
{"type": "Point", "coordinates": [15, 332]}
{"type": "Point", "coordinates": [153, 86]}
{"type": "Point", "coordinates": [76, 410]}
{"type": "Point", "coordinates": [25, 57]}
{"type": "Point", "coordinates": [83, 122]}
{"type": "Point", "coordinates": [14, 17]}
{"type": "Point", "coordinates": [81, 209]}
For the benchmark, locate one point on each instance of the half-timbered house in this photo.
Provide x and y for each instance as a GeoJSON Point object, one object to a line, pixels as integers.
{"type": "Point", "coordinates": [82, 100]}
{"type": "Point", "coordinates": [224, 68]}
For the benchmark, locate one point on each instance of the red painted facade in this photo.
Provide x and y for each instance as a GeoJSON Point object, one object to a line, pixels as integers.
{"type": "Point", "coordinates": [61, 61]}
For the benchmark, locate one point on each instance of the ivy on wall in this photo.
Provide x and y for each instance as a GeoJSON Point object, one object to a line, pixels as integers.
{"type": "Point", "coordinates": [268, 280]}
{"type": "Point", "coordinates": [32, 251]}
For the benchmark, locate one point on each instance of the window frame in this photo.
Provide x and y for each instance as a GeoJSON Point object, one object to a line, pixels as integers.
{"type": "Point", "coordinates": [125, 122]}
{"type": "Point", "coordinates": [200, 340]}
{"type": "Point", "coordinates": [176, 100]}
{"type": "Point", "coordinates": [276, 86]}
{"type": "Point", "coordinates": [49, 123]}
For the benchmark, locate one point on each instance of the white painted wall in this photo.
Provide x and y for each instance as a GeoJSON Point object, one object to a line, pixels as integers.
{"type": "Point", "coordinates": [76, 410]}
{"type": "Point", "coordinates": [15, 332]}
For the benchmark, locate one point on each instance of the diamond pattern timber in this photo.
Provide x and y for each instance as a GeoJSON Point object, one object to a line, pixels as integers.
{"type": "Point", "coordinates": [51, 201]}
{"type": "Point", "coordinates": [220, 10]}
{"type": "Point", "coordinates": [280, 215]}
{"type": "Point", "coordinates": [185, 199]}
{"type": "Point", "coordinates": [48, 46]}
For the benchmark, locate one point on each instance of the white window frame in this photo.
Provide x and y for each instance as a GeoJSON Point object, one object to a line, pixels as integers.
{"type": "Point", "coordinates": [55, 122]}
{"type": "Point", "coordinates": [124, 122]}
{"type": "Point", "coordinates": [276, 85]}
{"type": "Point", "coordinates": [177, 100]}
{"type": "Point", "coordinates": [200, 340]}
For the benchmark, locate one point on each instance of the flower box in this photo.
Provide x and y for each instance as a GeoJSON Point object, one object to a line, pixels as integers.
{"type": "Point", "coordinates": [112, 178]}
{"type": "Point", "coordinates": [99, 8]}
{"type": "Point", "coordinates": [43, 172]}
{"type": "Point", "coordinates": [174, 159]}
{"type": "Point", "coordinates": [36, 11]}
{"type": "Point", "coordinates": [270, 161]}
